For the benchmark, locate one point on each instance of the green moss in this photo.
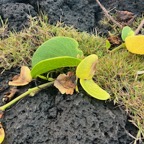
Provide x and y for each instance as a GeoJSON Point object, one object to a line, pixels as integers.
{"type": "Point", "coordinates": [116, 73]}
{"type": "Point", "coordinates": [18, 48]}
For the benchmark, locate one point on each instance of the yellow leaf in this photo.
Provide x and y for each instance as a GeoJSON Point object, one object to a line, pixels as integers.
{"type": "Point", "coordinates": [94, 90]}
{"type": "Point", "coordinates": [135, 44]}
{"type": "Point", "coordinates": [2, 133]}
{"type": "Point", "coordinates": [87, 67]}
{"type": "Point", "coordinates": [23, 79]}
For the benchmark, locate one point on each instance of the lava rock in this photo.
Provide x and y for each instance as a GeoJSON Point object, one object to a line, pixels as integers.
{"type": "Point", "coordinates": [13, 1]}
{"type": "Point", "coordinates": [81, 14]}
{"type": "Point", "coordinates": [60, 119]}
{"type": "Point", "coordinates": [136, 7]}
{"type": "Point", "coordinates": [17, 15]}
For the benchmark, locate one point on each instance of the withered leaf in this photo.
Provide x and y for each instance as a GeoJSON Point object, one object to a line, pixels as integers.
{"type": "Point", "coordinates": [114, 40]}
{"type": "Point", "coordinates": [66, 83]}
{"type": "Point", "coordinates": [23, 79]}
{"type": "Point", "coordinates": [9, 95]}
{"type": "Point", "coordinates": [124, 16]}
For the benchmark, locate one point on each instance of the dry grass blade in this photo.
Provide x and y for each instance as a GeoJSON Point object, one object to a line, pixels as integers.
{"type": "Point", "coordinates": [139, 27]}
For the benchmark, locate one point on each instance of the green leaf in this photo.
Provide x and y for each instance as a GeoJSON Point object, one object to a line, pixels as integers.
{"type": "Point", "coordinates": [56, 47]}
{"type": "Point", "coordinates": [108, 45]}
{"type": "Point", "coordinates": [87, 67]}
{"type": "Point", "coordinates": [94, 90]}
{"type": "Point", "coordinates": [54, 63]}
{"type": "Point", "coordinates": [127, 31]}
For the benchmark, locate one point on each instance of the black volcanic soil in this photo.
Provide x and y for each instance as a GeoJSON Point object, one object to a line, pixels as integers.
{"type": "Point", "coordinates": [52, 118]}
{"type": "Point", "coordinates": [82, 14]}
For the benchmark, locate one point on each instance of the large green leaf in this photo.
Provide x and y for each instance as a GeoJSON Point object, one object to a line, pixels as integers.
{"type": "Point", "coordinates": [93, 89]}
{"type": "Point", "coordinates": [53, 63]}
{"type": "Point", "coordinates": [127, 31]}
{"type": "Point", "coordinates": [55, 47]}
{"type": "Point", "coordinates": [87, 67]}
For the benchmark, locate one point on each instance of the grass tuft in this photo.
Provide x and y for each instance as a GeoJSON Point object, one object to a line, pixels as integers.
{"type": "Point", "coordinates": [18, 48]}
{"type": "Point", "coordinates": [116, 72]}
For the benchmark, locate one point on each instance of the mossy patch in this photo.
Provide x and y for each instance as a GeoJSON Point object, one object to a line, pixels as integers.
{"type": "Point", "coordinates": [116, 73]}
{"type": "Point", "coordinates": [18, 48]}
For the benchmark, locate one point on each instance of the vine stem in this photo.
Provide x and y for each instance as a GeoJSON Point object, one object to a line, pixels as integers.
{"type": "Point", "coordinates": [119, 47]}
{"type": "Point", "coordinates": [31, 92]}
{"type": "Point", "coordinates": [107, 14]}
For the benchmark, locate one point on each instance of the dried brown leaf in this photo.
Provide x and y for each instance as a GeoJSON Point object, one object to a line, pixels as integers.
{"type": "Point", "coordinates": [23, 79]}
{"type": "Point", "coordinates": [124, 16]}
{"type": "Point", "coordinates": [66, 83]}
{"type": "Point", "coordinates": [114, 40]}
{"type": "Point", "coordinates": [9, 95]}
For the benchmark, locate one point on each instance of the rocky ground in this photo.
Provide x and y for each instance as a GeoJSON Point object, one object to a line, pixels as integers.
{"type": "Point", "coordinates": [51, 118]}
{"type": "Point", "coordinates": [82, 14]}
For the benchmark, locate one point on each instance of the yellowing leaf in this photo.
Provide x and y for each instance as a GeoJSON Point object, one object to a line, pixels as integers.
{"type": "Point", "coordinates": [23, 79]}
{"type": "Point", "coordinates": [94, 90]}
{"type": "Point", "coordinates": [135, 44]}
{"type": "Point", "coordinates": [66, 83]}
{"type": "Point", "coordinates": [2, 133]}
{"type": "Point", "coordinates": [87, 67]}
